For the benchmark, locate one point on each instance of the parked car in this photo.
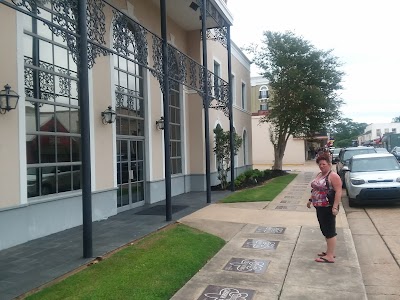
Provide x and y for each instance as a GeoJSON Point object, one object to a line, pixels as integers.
{"type": "Point", "coordinates": [372, 178]}
{"type": "Point", "coordinates": [396, 152]}
{"type": "Point", "coordinates": [381, 150]}
{"type": "Point", "coordinates": [344, 156]}
{"type": "Point", "coordinates": [53, 179]}
{"type": "Point", "coordinates": [335, 155]}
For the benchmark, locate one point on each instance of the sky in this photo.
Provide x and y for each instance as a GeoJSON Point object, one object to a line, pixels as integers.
{"type": "Point", "coordinates": [364, 35]}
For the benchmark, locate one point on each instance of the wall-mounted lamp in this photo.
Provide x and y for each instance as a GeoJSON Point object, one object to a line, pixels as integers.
{"type": "Point", "coordinates": [8, 99]}
{"type": "Point", "coordinates": [108, 116]}
{"type": "Point", "coordinates": [160, 124]}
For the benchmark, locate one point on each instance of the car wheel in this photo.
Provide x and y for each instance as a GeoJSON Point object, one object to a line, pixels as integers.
{"type": "Point", "coordinates": [352, 203]}
{"type": "Point", "coordinates": [343, 183]}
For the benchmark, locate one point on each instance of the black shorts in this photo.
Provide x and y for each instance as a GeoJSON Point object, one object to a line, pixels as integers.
{"type": "Point", "coordinates": [327, 221]}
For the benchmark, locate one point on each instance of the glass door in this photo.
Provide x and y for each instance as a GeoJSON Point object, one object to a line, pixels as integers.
{"type": "Point", "coordinates": [130, 173]}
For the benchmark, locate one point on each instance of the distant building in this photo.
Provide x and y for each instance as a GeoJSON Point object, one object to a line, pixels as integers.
{"type": "Point", "coordinates": [298, 150]}
{"type": "Point", "coordinates": [374, 133]}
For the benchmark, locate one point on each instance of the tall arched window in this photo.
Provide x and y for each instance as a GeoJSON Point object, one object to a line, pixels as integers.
{"type": "Point", "coordinates": [263, 93]}
{"type": "Point", "coordinates": [263, 97]}
{"type": "Point", "coordinates": [215, 156]}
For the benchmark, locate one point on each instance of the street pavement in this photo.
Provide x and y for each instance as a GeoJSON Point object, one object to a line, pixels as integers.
{"type": "Point", "coordinates": [271, 248]}
{"type": "Point", "coordinates": [376, 236]}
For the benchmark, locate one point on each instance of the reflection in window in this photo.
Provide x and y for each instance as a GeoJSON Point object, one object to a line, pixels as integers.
{"type": "Point", "coordinates": [51, 110]}
{"type": "Point", "coordinates": [175, 128]}
{"type": "Point", "coordinates": [129, 97]}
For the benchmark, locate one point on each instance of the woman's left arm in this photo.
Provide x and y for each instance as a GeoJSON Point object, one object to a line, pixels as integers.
{"type": "Point", "coordinates": [337, 186]}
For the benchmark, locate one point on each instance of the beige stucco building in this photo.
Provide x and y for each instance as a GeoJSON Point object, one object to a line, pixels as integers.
{"type": "Point", "coordinates": [263, 151]}
{"type": "Point", "coordinates": [40, 152]}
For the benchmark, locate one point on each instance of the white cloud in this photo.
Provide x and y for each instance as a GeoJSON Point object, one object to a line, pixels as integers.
{"type": "Point", "coordinates": [363, 34]}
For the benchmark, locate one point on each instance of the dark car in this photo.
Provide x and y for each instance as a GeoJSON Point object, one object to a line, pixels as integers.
{"type": "Point", "coordinates": [335, 155]}
{"type": "Point", "coordinates": [345, 155]}
{"type": "Point", "coordinates": [396, 152]}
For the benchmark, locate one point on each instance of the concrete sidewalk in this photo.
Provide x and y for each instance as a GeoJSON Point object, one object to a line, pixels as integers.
{"type": "Point", "coordinates": [270, 251]}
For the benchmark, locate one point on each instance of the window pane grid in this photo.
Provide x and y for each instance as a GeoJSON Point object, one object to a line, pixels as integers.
{"type": "Point", "coordinates": [52, 111]}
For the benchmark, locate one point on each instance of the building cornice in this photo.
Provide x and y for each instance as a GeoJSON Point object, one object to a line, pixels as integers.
{"type": "Point", "coordinates": [258, 80]}
{"type": "Point", "coordinates": [223, 9]}
{"type": "Point", "coordinates": [240, 56]}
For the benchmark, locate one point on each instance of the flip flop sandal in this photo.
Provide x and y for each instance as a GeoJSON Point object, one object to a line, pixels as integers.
{"type": "Point", "coordinates": [323, 260]}
{"type": "Point", "coordinates": [323, 254]}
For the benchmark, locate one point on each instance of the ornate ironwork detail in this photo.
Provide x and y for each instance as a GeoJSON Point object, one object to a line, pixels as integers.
{"type": "Point", "coordinates": [64, 82]}
{"type": "Point", "coordinates": [218, 34]}
{"type": "Point", "coordinates": [222, 101]}
{"type": "Point", "coordinates": [130, 38]}
{"type": "Point", "coordinates": [157, 70]}
{"type": "Point", "coordinates": [131, 100]}
{"type": "Point", "coordinates": [130, 41]}
{"type": "Point", "coordinates": [65, 14]}
{"type": "Point", "coordinates": [28, 77]}
{"type": "Point", "coordinates": [30, 4]}
{"type": "Point", "coordinates": [96, 22]}
{"type": "Point", "coordinates": [119, 97]}
{"type": "Point", "coordinates": [192, 73]}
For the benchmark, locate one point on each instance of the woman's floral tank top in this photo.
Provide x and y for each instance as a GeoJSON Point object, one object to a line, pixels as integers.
{"type": "Point", "coordinates": [319, 192]}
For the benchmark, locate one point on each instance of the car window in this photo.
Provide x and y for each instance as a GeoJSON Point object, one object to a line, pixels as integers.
{"type": "Point", "coordinates": [349, 154]}
{"type": "Point", "coordinates": [336, 151]}
{"type": "Point", "coordinates": [375, 164]}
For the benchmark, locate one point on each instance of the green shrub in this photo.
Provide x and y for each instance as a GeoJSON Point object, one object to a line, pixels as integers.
{"type": "Point", "coordinates": [254, 177]}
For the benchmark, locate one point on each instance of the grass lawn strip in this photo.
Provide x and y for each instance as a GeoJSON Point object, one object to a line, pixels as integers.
{"type": "Point", "coordinates": [266, 192]}
{"type": "Point", "coordinates": [154, 268]}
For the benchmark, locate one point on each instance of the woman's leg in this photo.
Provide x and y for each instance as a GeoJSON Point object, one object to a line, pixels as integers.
{"type": "Point", "coordinates": [330, 246]}
{"type": "Point", "coordinates": [327, 222]}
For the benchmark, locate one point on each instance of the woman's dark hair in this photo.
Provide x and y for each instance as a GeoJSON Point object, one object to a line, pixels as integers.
{"type": "Point", "coordinates": [324, 156]}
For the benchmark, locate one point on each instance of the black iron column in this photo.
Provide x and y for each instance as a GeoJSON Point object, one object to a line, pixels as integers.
{"type": "Point", "coordinates": [85, 130]}
{"type": "Point", "coordinates": [167, 151]}
{"type": "Point", "coordinates": [231, 128]}
{"type": "Point", "coordinates": [205, 98]}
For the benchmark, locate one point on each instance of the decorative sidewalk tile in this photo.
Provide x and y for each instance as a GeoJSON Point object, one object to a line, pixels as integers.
{"type": "Point", "coordinates": [213, 292]}
{"type": "Point", "coordinates": [244, 265]}
{"type": "Point", "coordinates": [274, 230]}
{"type": "Point", "coordinates": [290, 201]}
{"type": "Point", "coordinates": [260, 244]}
{"type": "Point", "coordinates": [281, 207]}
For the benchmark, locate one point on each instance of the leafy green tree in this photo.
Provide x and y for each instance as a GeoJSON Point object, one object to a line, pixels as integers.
{"type": "Point", "coordinates": [345, 130]}
{"type": "Point", "coordinates": [303, 85]}
{"type": "Point", "coordinates": [396, 120]}
{"type": "Point", "coordinates": [223, 153]}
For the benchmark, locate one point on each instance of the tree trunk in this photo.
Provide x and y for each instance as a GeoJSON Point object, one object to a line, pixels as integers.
{"type": "Point", "coordinates": [278, 160]}
{"type": "Point", "coordinates": [279, 152]}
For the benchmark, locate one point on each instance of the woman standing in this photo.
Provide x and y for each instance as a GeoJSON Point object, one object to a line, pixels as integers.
{"type": "Point", "coordinates": [326, 183]}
